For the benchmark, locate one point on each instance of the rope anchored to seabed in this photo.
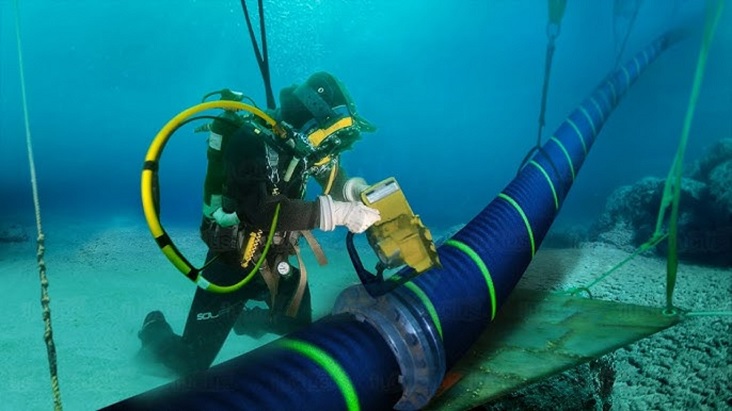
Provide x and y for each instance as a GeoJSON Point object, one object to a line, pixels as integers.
{"type": "Point", "coordinates": [672, 187]}
{"type": "Point", "coordinates": [41, 247]}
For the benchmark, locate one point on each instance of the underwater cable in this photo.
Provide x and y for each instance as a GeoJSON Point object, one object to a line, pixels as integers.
{"type": "Point", "coordinates": [390, 348]}
{"type": "Point", "coordinates": [40, 240]}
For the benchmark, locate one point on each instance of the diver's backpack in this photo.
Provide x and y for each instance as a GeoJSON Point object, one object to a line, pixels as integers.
{"type": "Point", "coordinates": [220, 130]}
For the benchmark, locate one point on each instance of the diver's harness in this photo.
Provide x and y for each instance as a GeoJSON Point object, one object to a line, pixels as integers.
{"type": "Point", "coordinates": [248, 243]}
{"type": "Point", "coordinates": [150, 190]}
{"type": "Point", "coordinates": [399, 238]}
{"type": "Point", "coordinates": [278, 135]}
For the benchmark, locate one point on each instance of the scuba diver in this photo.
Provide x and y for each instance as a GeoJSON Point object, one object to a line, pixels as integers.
{"type": "Point", "coordinates": [252, 184]}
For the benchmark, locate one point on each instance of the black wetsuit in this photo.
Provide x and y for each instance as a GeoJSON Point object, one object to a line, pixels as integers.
{"type": "Point", "coordinates": [249, 190]}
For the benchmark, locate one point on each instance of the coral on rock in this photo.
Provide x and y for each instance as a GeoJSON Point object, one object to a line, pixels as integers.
{"type": "Point", "coordinates": [705, 211]}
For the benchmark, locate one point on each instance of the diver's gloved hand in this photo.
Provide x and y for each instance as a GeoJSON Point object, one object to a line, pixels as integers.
{"type": "Point", "coordinates": [352, 214]}
{"type": "Point", "coordinates": [353, 188]}
{"type": "Point", "coordinates": [225, 219]}
{"type": "Point", "coordinates": [215, 203]}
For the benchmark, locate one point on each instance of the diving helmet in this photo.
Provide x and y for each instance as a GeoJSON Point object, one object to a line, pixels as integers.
{"type": "Point", "coordinates": [323, 112]}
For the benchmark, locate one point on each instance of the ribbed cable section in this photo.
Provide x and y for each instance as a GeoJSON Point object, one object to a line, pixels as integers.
{"type": "Point", "coordinates": [337, 363]}
{"type": "Point", "coordinates": [505, 235]}
{"type": "Point", "coordinates": [341, 363]}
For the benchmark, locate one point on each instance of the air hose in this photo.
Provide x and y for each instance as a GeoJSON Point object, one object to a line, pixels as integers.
{"type": "Point", "coordinates": [150, 201]}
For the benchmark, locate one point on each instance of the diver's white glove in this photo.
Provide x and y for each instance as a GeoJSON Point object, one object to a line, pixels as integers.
{"type": "Point", "coordinates": [209, 209]}
{"type": "Point", "coordinates": [352, 214]}
{"type": "Point", "coordinates": [225, 219]}
{"type": "Point", "coordinates": [353, 188]}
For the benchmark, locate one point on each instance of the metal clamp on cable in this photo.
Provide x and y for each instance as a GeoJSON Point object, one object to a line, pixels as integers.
{"type": "Point", "coordinates": [405, 325]}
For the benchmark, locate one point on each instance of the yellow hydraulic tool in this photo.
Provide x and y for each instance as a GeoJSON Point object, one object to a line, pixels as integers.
{"type": "Point", "coordinates": [398, 239]}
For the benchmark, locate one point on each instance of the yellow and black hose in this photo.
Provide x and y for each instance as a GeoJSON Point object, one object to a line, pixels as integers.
{"type": "Point", "coordinates": [151, 201]}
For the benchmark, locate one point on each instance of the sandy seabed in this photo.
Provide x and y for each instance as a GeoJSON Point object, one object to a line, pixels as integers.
{"type": "Point", "coordinates": [685, 367]}
{"type": "Point", "coordinates": [105, 277]}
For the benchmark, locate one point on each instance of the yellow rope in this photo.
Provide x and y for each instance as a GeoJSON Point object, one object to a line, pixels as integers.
{"type": "Point", "coordinates": [41, 248]}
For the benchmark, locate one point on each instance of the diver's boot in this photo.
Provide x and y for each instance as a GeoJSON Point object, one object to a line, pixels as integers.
{"type": "Point", "coordinates": [155, 331]}
{"type": "Point", "coordinates": [160, 346]}
{"type": "Point", "coordinates": [254, 322]}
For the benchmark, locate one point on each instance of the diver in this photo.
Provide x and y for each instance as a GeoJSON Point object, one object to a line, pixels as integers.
{"type": "Point", "coordinates": [251, 184]}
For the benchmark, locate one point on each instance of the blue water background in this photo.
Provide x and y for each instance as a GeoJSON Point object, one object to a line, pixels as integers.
{"type": "Point", "coordinates": [454, 87]}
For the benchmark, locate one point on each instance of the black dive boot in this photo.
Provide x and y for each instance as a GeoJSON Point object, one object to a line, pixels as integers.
{"type": "Point", "coordinates": [155, 331]}
{"type": "Point", "coordinates": [254, 322]}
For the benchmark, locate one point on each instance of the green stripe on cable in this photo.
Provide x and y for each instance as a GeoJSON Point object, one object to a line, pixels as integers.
{"type": "Point", "coordinates": [330, 365]}
{"type": "Point", "coordinates": [549, 181]}
{"type": "Point", "coordinates": [566, 154]}
{"type": "Point", "coordinates": [579, 134]}
{"type": "Point", "coordinates": [483, 269]}
{"type": "Point", "coordinates": [527, 224]}
{"type": "Point", "coordinates": [427, 304]}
